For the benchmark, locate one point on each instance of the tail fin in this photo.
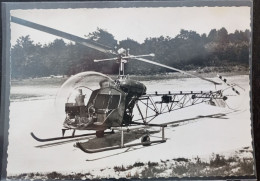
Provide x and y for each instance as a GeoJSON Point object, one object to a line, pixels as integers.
{"type": "Point", "coordinates": [217, 102]}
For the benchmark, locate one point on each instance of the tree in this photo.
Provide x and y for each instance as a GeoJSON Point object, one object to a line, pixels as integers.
{"type": "Point", "coordinates": [103, 37]}
{"type": "Point", "coordinates": [187, 50]}
{"type": "Point", "coordinates": [26, 59]}
{"type": "Point", "coordinates": [56, 57]}
{"type": "Point", "coordinates": [212, 37]}
{"type": "Point", "coordinates": [222, 36]}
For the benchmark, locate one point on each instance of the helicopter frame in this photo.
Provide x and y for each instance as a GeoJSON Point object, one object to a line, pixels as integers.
{"type": "Point", "coordinates": [173, 101]}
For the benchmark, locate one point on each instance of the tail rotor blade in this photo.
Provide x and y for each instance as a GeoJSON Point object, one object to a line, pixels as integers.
{"type": "Point", "coordinates": [231, 85]}
{"type": "Point", "coordinates": [175, 69]}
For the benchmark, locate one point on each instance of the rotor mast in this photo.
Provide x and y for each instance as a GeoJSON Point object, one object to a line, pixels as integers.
{"type": "Point", "coordinates": [123, 58]}
{"type": "Point", "coordinates": [121, 69]}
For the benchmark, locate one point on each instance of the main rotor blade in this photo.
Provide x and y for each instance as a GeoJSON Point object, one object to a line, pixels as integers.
{"type": "Point", "coordinates": [85, 42]}
{"type": "Point", "coordinates": [126, 57]}
{"type": "Point", "coordinates": [178, 70]}
{"type": "Point", "coordinates": [138, 56]}
{"type": "Point", "coordinates": [101, 60]}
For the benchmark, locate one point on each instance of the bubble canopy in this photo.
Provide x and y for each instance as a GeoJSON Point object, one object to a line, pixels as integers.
{"type": "Point", "coordinates": [86, 81]}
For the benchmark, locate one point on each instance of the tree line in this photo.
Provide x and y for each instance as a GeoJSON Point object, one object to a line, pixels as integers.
{"type": "Point", "coordinates": [188, 50]}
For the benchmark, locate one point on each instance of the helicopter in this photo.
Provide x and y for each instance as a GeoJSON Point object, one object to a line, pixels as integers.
{"type": "Point", "coordinates": [110, 103]}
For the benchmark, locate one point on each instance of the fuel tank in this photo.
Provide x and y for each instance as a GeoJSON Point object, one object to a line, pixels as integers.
{"type": "Point", "coordinates": [132, 87]}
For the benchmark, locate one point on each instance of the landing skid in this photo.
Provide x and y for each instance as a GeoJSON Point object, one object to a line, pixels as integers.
{"type": "Point", "coordinates": [114, 147]}
{"type": "Point", "coordinates": [145, 141]}
{"type": "Point", "coordinates": [64, 137]}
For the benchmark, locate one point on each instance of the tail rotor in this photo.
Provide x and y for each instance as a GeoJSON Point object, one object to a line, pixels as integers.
{"type": "Point", "coordinates": [231, 85]}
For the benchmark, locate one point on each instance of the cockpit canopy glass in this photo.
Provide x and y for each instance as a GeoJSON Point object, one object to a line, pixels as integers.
{"type": "Point", "coordinates": [87, 82]}
{"type": "Point", "coordinates": [105, 101]}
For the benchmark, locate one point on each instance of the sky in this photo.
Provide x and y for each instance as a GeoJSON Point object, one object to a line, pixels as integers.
{"type": "Point", "coordinates": [134, 23]}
